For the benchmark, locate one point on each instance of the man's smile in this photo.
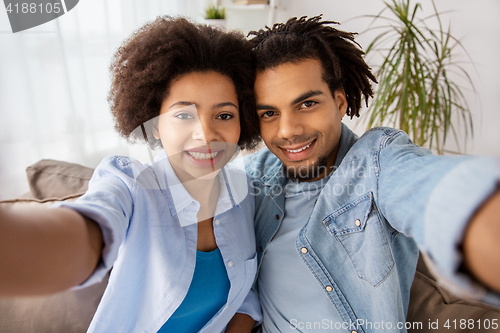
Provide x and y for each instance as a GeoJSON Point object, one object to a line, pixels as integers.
{"type": "Point", "coordinates": [298, 152]}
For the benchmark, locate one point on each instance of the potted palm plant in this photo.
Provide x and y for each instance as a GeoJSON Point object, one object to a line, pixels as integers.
{"type": "Point", "coordinates": [417, 90]}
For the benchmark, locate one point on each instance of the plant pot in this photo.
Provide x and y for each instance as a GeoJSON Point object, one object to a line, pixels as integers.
{"type": "Point", "coordinates": [219, 23]}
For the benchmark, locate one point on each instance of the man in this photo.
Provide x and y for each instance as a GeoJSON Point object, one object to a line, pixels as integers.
{"type": "Point", "coordinates": [340, 219]}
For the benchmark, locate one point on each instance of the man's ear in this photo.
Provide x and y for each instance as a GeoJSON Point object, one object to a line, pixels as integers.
{"type": "Point", "coordinates": [341, 101]}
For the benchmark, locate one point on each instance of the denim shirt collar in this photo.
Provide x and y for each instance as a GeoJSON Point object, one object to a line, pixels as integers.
{"type": "Point", "coordinates": [347, 139]}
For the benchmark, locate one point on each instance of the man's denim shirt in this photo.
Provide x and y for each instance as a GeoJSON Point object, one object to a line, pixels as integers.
{"type": "Point", "coordinates": [387, 199]}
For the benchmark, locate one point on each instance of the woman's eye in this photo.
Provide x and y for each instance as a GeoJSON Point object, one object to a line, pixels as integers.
{"type": "Point", "coordinates": [225, 116]}
{"type": "Point", "coordinates": [183, 116]}
{"type": "Point", "coordinates": [267, 114]}
{"type": "Point", "coordinates": [307, 104]}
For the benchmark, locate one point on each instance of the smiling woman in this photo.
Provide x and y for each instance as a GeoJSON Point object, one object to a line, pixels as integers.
{"type": "Point", "coordinates": [199, 124]}
{"type": "Point", "coordinates": [178, 232]}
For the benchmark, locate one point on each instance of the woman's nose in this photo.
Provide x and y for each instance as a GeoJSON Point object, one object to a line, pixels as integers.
{"type": "Point", "coordinates": [205, 131]}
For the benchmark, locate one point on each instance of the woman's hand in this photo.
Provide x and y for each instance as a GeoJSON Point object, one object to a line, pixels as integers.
{"type": "Point", "coordinates": [241, 323]}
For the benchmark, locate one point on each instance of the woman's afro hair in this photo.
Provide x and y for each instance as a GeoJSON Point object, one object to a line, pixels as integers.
{"type": "Point", "coordinates": [144, 67]}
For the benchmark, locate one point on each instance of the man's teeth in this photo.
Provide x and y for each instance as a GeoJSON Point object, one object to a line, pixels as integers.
{"type": "Point", "coordinates": [299, 150]}
{"type": "Point", "coordinates": [203, 156]}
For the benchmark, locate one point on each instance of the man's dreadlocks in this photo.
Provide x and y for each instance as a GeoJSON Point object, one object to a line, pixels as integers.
{"type": "Point", "coordinates": [340, 55]}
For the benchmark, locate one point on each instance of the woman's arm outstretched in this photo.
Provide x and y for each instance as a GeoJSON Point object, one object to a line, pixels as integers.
{"type": "Point", "coordinates": [45, 251]}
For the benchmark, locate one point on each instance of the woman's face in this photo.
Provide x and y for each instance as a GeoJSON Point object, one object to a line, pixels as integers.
{"type": "Point", "coordinates": [199, 124]}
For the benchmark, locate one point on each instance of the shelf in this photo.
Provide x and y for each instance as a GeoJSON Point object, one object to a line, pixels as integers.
{"type": "Point", "coordinates": [270, 8]}
{"type": "Point", "coordinates": [248, 7]}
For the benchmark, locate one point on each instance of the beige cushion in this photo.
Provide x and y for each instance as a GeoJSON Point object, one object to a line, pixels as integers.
{"type": "Point", "coordinates": [70, 311]}
{"type": "Point", "coordinates": [56, 179]}
{"type": "Point", "coordinates": [430, 303]}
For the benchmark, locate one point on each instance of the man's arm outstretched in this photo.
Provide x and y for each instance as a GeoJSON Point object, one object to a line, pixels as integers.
{"type": "Point", "coordinates": [481, 244]}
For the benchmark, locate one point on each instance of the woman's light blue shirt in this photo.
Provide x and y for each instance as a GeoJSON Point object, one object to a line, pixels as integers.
{"type": "Point", "coordinates": [148, 224]}
{"type": "Point", "coordinates": [206, 295]}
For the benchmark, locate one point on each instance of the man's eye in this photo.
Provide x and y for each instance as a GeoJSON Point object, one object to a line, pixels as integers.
{"type": "Point", "coordinates": [183, 116]}
{"type": "Point", "coordinates": [225, 116]}
{"type": "Point", "coordinates": [307, 104]}
{"type": "Point", "coordinates": [267, 114]}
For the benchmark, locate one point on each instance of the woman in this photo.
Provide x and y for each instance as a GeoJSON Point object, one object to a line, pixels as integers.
{"type": "Point", "coordinates": [178, 232]}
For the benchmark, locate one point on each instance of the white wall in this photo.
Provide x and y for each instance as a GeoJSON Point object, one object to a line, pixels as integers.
{"type": "Point", "coordinates": [475, 23]}
{"type": "Point", "coordinates": [54, 80]}
{"type": "Point", "coordinates": [46, 113]}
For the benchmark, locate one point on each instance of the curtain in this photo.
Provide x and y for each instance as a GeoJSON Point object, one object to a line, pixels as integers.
{"type": "Point", "coordinates": [54, 81]}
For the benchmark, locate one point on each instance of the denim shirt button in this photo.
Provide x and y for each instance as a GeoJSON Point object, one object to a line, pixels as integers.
{"type": "Point", "coordinates": [276, 190]}
{"type": "Point", "coordinates": [217, 221]}
{"type": "Point", "coordinates": [329, 288]}
{"type": "Point", "coordinates": [230, 263]}
{"type": "Point", "coordinates": [357, 223]}
{"type": "Point", "coordinates": [303, 250]}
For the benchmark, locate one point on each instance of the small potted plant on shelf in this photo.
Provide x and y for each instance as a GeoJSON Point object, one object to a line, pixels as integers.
{"type": "Point", "coordinates": [215, 15]}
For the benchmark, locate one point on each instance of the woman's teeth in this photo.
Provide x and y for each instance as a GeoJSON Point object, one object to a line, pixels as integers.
{"type": "Point", "coordinates": [299, 150]}
{"type": "Point", "coordinates": [203, 156]}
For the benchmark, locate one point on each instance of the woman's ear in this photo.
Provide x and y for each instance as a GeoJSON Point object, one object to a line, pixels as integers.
{"type": "Point", "coordinates": [156, 133]}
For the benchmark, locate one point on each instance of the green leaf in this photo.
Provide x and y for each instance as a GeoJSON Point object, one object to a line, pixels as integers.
{"type": "Point", "coordinates": [415, 92]}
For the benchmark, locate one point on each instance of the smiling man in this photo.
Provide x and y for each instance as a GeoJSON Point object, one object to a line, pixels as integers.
{"type": "Point", "coordinates": [302, 127]}
{"type": "Point", "coordinates": [340, 219]}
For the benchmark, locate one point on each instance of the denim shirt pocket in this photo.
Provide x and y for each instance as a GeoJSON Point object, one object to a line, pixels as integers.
{"type": "Point", "coordinates": [364, 237]}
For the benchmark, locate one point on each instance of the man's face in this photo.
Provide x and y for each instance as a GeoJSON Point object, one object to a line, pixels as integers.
{"type": "Point", "coordinates": [300, 120]}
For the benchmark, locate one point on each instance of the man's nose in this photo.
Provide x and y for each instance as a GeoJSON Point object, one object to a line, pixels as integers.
{"type": "Point", "coordinates": [289, 126]}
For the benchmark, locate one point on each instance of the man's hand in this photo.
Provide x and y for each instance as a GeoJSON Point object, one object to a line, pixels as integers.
{"type": "Point", "coordinates": [482, 243]}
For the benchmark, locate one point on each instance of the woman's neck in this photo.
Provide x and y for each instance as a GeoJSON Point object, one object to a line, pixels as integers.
{"type": "Point", "coordinates": [206, 192]}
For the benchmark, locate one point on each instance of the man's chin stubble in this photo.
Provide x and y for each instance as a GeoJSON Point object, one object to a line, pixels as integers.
{"type": "Point", "coordinates": [305, 173]}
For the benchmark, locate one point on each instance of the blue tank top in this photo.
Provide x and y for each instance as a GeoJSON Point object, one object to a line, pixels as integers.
{"type": "Point", "coordinates": [206, 295]}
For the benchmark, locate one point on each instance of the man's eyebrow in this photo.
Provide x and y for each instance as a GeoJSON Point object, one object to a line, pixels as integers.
{"type": "Point", "coordinates": [265, 107]}
{"type": "Point", "coordinates": [306, 95]}
{"type": "Point", "coordinates": [302, 97]}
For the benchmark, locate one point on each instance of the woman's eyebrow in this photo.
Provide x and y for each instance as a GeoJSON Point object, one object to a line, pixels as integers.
{"type": "Point", "coordinates": [223, 104]}
{"type": "Point", "coordinates": [216, 106]}
{"type": "Point", "coordinates": [182, 103]}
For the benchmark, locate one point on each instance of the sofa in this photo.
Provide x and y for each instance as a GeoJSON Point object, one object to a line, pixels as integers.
{"type": "Point", "coordinates": [71, 311]}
